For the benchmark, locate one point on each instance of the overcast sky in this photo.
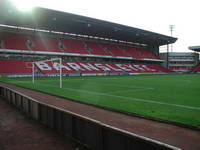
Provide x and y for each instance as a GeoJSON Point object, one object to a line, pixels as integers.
{"type": "Point", "coordinates": [151, 15]}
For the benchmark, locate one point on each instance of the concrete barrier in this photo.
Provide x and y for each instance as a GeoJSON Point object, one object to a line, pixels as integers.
{"type": "Point", "coordinates": [92, 133]}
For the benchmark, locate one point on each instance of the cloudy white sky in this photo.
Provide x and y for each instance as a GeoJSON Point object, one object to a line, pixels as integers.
{"type": "Point", "coordinates": [152, 15]}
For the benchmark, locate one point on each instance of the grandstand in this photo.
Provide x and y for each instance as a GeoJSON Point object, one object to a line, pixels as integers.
{"type": "Point", "coordinates": [76, 39]}
{"type": "Point", "coordinates": [180, 61]}
{"type": "Point", "coordinates": [26, 42]}
{"type": "Point", "coordinates": [197, 69]}
{"type": "Point", "coordinates": [196, 49]}
{"type": "Point", "coordinates": [24, 68]}
{"type": "Point", "coordinates": [75, 50]}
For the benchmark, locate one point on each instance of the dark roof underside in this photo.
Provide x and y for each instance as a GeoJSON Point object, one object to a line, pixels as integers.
{"type": "Point", "coordinates": [46, 19]}
{"type": "Point", "coordinates": [195, 48]}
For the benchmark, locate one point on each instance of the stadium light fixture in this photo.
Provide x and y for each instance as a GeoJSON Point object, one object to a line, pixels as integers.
{"type": "Point", "coordinates": [24, 5]}
{"type": "Point", "coordinates": [171, 28]}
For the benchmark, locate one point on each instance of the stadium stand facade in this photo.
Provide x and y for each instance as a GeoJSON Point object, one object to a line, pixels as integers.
{"type": "Point", "coordinates": [180, 61]}
{"type": "Point", "coordinates": [107, 55]}
{"type": "Point", "coordinates": [86, 43]}
{"type": "Point", "coordinates": [24, 67]}
{"type": "Point", "coordinates": [196, 69]}
{"type": "Point", "coordinates": [196, 49]}
{"type": "Point", "coordinates": [17, 41]}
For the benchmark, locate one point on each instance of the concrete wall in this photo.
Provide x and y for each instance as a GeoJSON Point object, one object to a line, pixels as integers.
{"type": "Point", "coordinates": [93, 134]}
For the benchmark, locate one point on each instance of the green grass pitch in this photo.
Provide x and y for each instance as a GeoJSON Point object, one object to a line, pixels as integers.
{"type": "Point", "coordinates": [168, 97]}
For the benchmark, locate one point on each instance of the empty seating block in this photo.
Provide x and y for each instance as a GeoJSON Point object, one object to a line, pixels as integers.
{"type": "Point", "coordinates": [74, 46]}
{"type": "Point", "coordinates": [197, 68]}
{"type": "Point", "coordinates": [115, 51]}
{"type": "Point", "coordinates": [96, 48]}
{"type": "Point", "coordinates": [38, 42]}
{"type": "Point", "coordinates": [25, 67]}
{"type": "Point", "coordinates": [15, 67]}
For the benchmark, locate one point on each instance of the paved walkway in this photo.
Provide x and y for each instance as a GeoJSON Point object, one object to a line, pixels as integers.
{"type": "Point", "coordinates": [19, 133]}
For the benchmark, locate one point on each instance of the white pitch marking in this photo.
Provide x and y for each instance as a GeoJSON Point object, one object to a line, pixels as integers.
{"type": "Point", "coordinates": [128, 98]}
{"type": "Point", "coordinates": [133, 90]}
{"type": "Point", "coordinates": [109, 84]}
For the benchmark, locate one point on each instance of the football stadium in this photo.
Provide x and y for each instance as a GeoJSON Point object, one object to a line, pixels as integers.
{"type": "Point", "coordinates": [100, 84]}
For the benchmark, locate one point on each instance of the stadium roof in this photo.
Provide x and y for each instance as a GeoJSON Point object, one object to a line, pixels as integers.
{"type": "Point", "coordinates": [52, 20]}
{"type": "Point", "coordinates": [195, 48]}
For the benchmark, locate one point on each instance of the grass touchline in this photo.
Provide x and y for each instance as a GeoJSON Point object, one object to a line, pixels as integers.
{"type": "Point", "coordinates": [167, 97]}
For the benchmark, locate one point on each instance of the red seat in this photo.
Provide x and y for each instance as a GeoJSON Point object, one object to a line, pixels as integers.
{"type": "Point", "coordinates": [15, 67]}
{"type": "Point", "coordinates": [96, 48]}
{"type": "Point", "coordinates": [74, 46]}
{"type": "Point", "coordinates": [115, 51]}
{"type": "Point", "coordinates": [19, 41]}
{"type": "Point", "coordinates": [25, 67]}
{"type": "Point", "coordinates": [15, 41]}
{"type": "Point", "coordinates": [197, 68]}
